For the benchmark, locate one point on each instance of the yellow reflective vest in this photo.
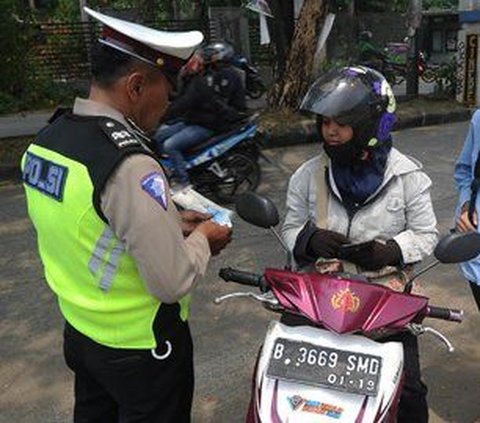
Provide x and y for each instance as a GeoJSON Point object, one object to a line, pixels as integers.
{"type": "Point", "coordinates": [100, 291]}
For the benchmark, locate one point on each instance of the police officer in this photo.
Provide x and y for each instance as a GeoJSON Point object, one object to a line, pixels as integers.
{"type": "Point", "coordinates": [116, 251]}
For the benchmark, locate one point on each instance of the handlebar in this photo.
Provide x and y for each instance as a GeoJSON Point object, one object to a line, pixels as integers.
{"type": "Point", "coordinates": [444, 313]}
{"type": "Point", "coordinates": [228, 274]}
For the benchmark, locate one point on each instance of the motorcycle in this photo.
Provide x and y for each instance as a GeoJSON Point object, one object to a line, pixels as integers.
{"type": "Point", "coordinates": [254, 86]}
{"type": "Point", "coordinates": [396, 72]}
{"type": "Point", "coordinates": [225, 165]}
{"type": "Point", "coordinates": [329, 367]}
{"type": "Point", "coordinates": [394, 63]}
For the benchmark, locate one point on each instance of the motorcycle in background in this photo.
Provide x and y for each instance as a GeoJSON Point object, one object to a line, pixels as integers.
{"type": "Point", "coordinates": [225, 165]}
{"type": "Point", "coordinates": [254, 85]}
{"type": "Point", "coordinates": [394, 61]}
{"type": "Point", "coordinates": [396, 72]}
{"type": "Point", "coordinates": [330, 368]}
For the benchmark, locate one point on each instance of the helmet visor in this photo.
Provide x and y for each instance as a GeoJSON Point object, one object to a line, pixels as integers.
{"type": "Point", "coordinates": [342, 96]}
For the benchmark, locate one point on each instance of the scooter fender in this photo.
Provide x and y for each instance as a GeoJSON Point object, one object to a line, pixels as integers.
{"type": "Point", "coordinates": [222, 147]}
{"type": "Point", "coordinates": [281, 400]}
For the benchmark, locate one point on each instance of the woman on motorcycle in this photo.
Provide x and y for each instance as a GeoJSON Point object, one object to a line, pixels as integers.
{"type": "Point", "coordinates": [359, 189]}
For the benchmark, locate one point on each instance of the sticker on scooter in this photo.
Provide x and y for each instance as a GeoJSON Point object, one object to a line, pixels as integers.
{"type": "Point", "coordinates": [299, 403]}
{"type": "Point", "coordinates": [312, 364]}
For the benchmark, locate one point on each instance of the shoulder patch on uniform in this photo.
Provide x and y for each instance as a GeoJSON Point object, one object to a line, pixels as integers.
{"type": "Point", "coordinates": [45, 176]}
{"type": "Point", "coordinates": [118, 133]}
{"type": "Point", "coordinates": [154, 185]}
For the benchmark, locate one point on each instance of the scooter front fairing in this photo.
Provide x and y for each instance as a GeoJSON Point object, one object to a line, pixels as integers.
{"type": "Point", "coordinates": [306, 374]}
{"type": "Point", "coordinates": [344, 305]}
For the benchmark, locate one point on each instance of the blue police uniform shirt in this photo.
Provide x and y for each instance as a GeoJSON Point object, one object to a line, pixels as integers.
{"type": "Point", "coordinates": [464, 175]}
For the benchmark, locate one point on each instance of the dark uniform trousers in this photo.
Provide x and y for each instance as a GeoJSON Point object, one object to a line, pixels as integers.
{"type": "Point", "coordinates": [130, 385]}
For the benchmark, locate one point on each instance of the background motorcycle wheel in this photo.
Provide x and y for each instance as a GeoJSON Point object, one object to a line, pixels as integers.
{"type": "Point", "coordinates": [428, 75]}
{"type": "Point", "coordinates": [243, 175]}
{"type": "Point", "coordinates": [255, 89]}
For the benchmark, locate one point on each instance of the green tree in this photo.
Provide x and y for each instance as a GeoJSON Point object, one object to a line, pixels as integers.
{"type": "Point", "coordinates": [14, 45]}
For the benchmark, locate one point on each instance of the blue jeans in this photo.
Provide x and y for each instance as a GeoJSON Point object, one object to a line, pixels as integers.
{"type": "Point", "coordinates": [177, 137]}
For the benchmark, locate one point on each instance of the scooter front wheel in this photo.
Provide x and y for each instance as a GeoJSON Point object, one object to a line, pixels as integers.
{"type": "Point", "coordinates": [243, 175]}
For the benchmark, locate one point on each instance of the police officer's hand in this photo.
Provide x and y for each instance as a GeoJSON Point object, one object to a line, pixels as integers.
{"type": "Point", "coordinates": [325, 243]}
{"type": "Point", "coordinates": [218, 236]}
{"type": "Point", "coordinates": [463, 222]}
{"type": "Point", "coordinates": [191, 219]}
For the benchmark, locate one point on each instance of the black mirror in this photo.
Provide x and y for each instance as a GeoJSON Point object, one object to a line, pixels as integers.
{"type": "Point", "coordinates": [458, 247]}
{"type": "Point", "coordinates": [257, 210]}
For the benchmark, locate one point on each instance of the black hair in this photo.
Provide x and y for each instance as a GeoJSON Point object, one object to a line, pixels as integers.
{"type": "Point", "coordinates": [109, 64]}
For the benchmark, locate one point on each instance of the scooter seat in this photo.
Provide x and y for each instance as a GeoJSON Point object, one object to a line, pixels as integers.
{"type": "Point", "coordinates": [238, 129]}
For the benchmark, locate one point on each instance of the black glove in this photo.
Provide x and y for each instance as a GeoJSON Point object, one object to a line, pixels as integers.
{"type": "Point", "coordinates": [380, 255]}
{"type": "Point", "coordinates": [324, 243]}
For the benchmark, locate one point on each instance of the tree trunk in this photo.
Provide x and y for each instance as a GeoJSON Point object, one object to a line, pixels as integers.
{"type": "Point", "coordinates": [414, 19]}
{"type": "Point", "coordinates": [176, 10]}
{"type": "Point", "coordinates": [289, 90]}
{"type": "Point", "coordinates": [277, 28]}
{"type": "Point", "coordinates": [196, 9]}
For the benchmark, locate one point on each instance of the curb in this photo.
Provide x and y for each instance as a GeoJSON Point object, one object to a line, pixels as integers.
{"type": "Point", "coordinates": [305, 132]}
{"type": "Point", "coordinates": [427, 119]}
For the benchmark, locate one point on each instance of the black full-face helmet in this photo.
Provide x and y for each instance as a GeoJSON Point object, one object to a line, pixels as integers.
{"type": "Point", "coordinates": [356, 96]}
{"type": "Point", "coordinates": [218, 52]}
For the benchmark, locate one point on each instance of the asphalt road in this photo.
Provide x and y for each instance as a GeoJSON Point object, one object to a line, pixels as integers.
{"type": "Point", "coordinates": [36, 387]}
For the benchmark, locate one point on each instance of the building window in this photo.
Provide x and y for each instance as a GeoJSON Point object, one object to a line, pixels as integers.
{"type": "Point", "coordinates": [451, 40]}
{"type": "Point", "coordinates": [437, 41]}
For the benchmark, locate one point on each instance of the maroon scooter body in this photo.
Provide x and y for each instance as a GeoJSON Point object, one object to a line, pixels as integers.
{"type": "Point", "coordinates": [344, 305]}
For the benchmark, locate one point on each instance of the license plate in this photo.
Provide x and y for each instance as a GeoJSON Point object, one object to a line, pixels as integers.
{"type": "Point", "coordinates": [312, 364]}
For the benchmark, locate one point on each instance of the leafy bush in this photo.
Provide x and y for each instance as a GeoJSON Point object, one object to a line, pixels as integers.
{"type": "Point", "coordinates": [446, 79]}
{"type": "Point", "coordinates": [22, 85]}
{"type": "Point", "coordinates": [14, 45]}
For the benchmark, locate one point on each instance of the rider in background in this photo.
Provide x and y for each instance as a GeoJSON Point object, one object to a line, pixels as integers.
{"type": "Point", "coordinates": [211, 101]}
{"type": "Point", "coordinates": [368, 54]}
{"type": "Point", "coordinates": [361, 189]}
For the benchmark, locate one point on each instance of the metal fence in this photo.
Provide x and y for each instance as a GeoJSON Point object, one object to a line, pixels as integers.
{"type": "Point", "coordinates": [60, 50]}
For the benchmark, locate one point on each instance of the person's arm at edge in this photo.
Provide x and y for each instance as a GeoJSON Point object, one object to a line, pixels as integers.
{"type": "Point", "coordinates": [463, 168]}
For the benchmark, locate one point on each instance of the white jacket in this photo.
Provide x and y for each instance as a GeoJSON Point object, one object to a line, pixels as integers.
{"type": "Point", "coordinates": [401, 208]}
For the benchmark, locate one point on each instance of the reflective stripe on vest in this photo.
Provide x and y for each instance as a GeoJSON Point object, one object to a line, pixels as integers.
{"type": "Point", "coordinates": [99, 258]}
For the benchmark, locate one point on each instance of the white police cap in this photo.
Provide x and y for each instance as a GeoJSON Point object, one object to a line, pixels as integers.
{"type": "Point", "coordinates": [167, 50]}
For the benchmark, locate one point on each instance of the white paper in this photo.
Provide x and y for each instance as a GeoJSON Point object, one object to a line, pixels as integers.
{"type": "Point", "coordinates": [260, 6]}
{"type": "Point", "coordinates": [264, 34]}
{"type": "Point", "coordinates": [327, 27]}
{"type": "Point", "coordinates": [190, 199]}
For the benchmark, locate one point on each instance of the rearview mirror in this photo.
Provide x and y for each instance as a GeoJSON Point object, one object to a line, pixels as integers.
{"type": "Point", "coordinates": [458, 247]}
{"type": "Point", "coordinates": [257, 210]}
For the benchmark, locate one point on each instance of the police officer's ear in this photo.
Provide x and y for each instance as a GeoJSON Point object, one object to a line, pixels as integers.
{"type": "Point", "coordinates": [135, 85]}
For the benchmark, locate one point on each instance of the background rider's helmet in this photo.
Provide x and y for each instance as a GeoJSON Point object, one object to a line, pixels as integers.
{"type": "Point", "coordinates": [356, 96]}
{"type": "Point", "coordinates": [218, 52]}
